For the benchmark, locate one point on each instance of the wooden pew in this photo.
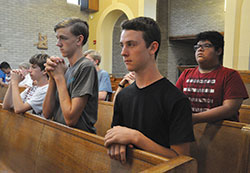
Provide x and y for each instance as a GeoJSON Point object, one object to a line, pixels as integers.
{"type": "Point", "coordinates": [29, 143]}
{"type": "Point", "coordinates": [245, 76]}
{"type": "Point", "coordinates": [114, 82]}
{"type": "Point", "coordinates": [2, 92]}
{"type": "Point", "coordinates": [221, 147]}
{"type": "Point", "coordinates": [244, 116]}
{"type": "Point", "coordinates": [245, 109]}
{"type": "Point", "coordinates": [4, 89]}
{"type": "Point", "coordinates": [105, 116]}
{"type": "Point", "coordinates": [215, 143]}
{"type": "Point", "coordinates": [19, 141]}
{"type": "Point", "coordinates": [245, 154]}
{"type": "Point", "coordinates": [21, 89]}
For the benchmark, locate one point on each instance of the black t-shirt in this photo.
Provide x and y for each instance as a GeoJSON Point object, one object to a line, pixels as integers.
{"type": "Point", "coordinates": [160, 111]}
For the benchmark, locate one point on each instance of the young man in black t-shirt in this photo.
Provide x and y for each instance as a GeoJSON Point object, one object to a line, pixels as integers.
{"type": "Point", "coordinates": [151, 114]}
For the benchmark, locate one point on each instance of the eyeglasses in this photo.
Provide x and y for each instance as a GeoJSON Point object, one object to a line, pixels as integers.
{"type": "Point", "coordinates": [203, 46]}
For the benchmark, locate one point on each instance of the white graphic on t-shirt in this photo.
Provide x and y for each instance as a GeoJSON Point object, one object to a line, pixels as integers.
{"type": "Point", "coordinates": [29, 93]}
{"type": "Point", "coordinates": [201, 100]}
{"type": "Point", "coordinates": [198, 91]}
{"type": "Point", "coordinates": [201, 81]}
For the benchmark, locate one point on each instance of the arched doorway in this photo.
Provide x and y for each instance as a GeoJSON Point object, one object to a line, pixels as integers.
{"type": "Point", "coordinates": [105, 31]}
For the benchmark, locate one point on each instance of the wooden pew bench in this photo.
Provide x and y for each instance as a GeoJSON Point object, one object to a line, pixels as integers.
{"type": "Point", "coordinates": [221, 147]}
{"type": "Point", "coordinates": [105, 116]}
{"type": "Point", "coordinates": [2, 92]}
{"type": "Point", "coordinates": [218, 147]}
{"type": "Point", "coordinates": [244, 115]}
{"type": "Point", "coordinates": [245, 76]}
{"type": "Point", "coordinates": [19, 141]}
{"type": "Point", "coordinates": [4, 89]}
{"type": "Point", "coordinates": [114, 82]}
{"type": "Point", "coordinates": [29, 143]}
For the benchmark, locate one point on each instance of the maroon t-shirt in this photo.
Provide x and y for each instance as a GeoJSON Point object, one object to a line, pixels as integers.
{"type": "Point", "coordinates": [209, 90]}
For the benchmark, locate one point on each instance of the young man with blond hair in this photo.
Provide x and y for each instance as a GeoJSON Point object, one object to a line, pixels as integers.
{"type": "Point", "coordinates": [72, 96]}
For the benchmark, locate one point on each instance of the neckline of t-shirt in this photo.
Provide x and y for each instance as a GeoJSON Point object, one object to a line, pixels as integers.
{"type": "Point", "coordinates": [205, 74]}
{"type": "Point", "coordinates": [44, 86]}
{"type": "Point", "coordinates": [154, 83]}
{"type": "Point", "coordinates": [77, 62]}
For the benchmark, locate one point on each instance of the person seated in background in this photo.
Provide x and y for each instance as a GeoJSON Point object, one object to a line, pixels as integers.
{"type": "Point", "coordinates": [27, 81]}
{"type": "Point", "coordinates": [32, 97]}
{"type": "Point", "coordinates": [2, 79]}
{"type": "Point", "coordinates": [216, 92]}
{"type": "Point", "coordinates": [151, 113]}
{"type": "Point", "coordinates": [5, 67]}
{"type": "Point", "coordinates": [72, 97]}
{"type": "Point", "coordinates": [129, 78]}
{"type": "Point", "coordinates": [104, 84]}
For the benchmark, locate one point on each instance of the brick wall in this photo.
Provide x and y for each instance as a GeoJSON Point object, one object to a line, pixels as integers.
{"type": "Point", "coordinates": [162, 18]}
{"type": "Point", "coordinates": [193, 16]}
{"type": "Point", "coordinates": [185, 18]}
{"type": "Point", "coordinates": [22, 20]}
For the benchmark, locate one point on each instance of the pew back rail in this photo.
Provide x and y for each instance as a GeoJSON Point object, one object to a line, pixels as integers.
{"type": "Point", "coordinates": [221, 147]}
{"type": "Point", "coordinates": [29, 143]}
{"type": "Point", "coordinates": [244, 115]}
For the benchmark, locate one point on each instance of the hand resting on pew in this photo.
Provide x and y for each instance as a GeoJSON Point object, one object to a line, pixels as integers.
{"type": "Point", "coordinates": [118, 137]}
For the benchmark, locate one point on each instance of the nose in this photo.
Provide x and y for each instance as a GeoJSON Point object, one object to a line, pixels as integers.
{"type": "Point", "coordinates": [29, 70]}
{"type": "Point", "coordinates": [200, 48]}
{"type": "Point", "coordinates": [59, 43]}
{"type": "Point", "coordinates": [124, 51]}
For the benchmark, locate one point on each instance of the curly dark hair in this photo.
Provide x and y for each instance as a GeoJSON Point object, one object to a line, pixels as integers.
{"type": "Point", "coordinates": [215, 38]}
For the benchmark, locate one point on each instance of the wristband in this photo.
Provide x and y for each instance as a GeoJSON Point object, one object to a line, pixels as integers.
{"type": "Point", "coordinates": [120, 85]}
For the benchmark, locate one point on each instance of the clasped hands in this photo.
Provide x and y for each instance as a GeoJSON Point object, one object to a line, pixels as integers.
{"type": "Point", "coordinates": [55, 66]}
{"type": "Point", "coordinates": [16, 76]}
{"type": "Point", "coordinates": [116, 140]}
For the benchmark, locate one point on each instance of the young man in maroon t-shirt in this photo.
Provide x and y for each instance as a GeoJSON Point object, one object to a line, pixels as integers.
{"type": "Point", "coordinates": [215, 92]}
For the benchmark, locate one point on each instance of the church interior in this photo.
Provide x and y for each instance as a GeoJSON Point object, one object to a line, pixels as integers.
{"type": "Point", "coordinates": [29, 143]}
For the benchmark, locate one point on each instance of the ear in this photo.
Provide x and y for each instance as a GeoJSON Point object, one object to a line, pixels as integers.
{"type": "Point", "coordinates": [96, 62]}
{"type": "Point", "coordinates": [80, 39]}
{"type": "Point", "coordinates": [153, 47]}
{"type": "Point", "coordinates": [219, 52]}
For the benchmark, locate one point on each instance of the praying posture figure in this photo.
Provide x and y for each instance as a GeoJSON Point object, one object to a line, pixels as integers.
{"type": "Point", "coordinates": [32, 97]}
{"type": "Point", "coordinates": [72, 96]}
